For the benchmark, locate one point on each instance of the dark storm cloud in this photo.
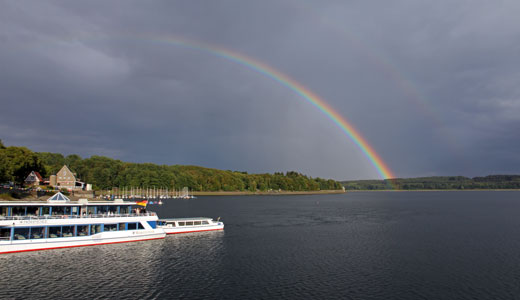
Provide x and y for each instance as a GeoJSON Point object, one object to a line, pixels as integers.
{"type": "Point", "coordinates": [433, 86]}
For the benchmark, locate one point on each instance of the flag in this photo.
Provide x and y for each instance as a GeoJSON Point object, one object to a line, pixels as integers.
{"type": "Point", "coordinates": [142, 202]}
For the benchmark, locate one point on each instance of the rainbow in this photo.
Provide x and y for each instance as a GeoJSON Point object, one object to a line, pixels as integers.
{"type": "Point", "coordinates": [264, 69]}
{"type": "Point", "coordinates": [384, 63]}
{"type": "Point", "coordinates": [270, 72]}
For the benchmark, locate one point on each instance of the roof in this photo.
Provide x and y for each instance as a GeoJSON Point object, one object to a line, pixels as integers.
{"type": "Point", "coordinates": [185, 219]}
{"type": "Point", "coordinates": [40, 178]}
{"type": "Point", "coordinates": [66, 169]}
{"type": "Point", "coordinates": [35, 174]}
{"type": "Point", "coordinates": [58, 197]}
{"type": "Point", "coordinates": [56, 203]}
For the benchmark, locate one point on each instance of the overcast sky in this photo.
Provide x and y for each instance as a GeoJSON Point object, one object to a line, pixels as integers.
{"type": "Point", "coordinates": [433, 86]}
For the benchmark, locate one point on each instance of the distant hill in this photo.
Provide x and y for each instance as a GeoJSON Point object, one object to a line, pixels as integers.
{"type": "Point", "coordinates": [437, 183]}
{"type": "Point", "coordinates": [104, 173]}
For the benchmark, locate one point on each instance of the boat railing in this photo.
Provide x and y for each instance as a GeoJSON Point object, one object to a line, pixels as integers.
{"type": "Point", "coordinates": [106, 215]}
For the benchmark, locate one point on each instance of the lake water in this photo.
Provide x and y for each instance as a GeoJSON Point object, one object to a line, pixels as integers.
{"type": "Point", "coordinates": [380, 245]}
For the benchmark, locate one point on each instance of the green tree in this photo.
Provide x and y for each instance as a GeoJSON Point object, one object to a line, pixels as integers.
{"type": "Point", "coordinates": [73, 161]}
{"type": "Point", "coordinates": [105, 173]}
{"type": "Point", "coordinates": [17, 163]}
{"type": "Point", "coordinates": [52, 161]}
{"type": "Point", "coordinates": [4, 167]}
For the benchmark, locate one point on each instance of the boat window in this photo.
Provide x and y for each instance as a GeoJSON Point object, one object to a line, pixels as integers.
{"type": "Point", "coordinates": [182, 223]}
{"type": "Point", "coordinates": [68, 231]}
{"type": "Point", "coordinates": [110, 227]}
{"type": "Point", "coordinates": [75, 210]}
{"type": "Point", "coordinates": [45, 210]}
{"type": "Point", "coordinates": [205, 223]}
{"type": "Point", "coordinates": [91, 210]}
{"type": "Point", "coordinates": [66, 210]}
{"type": "Point", "coordinates": [121, 226]}
{"type": "Point", "coordinates": [58, 210]}
{"type": "Point", "coordinates": [172, 224]}
{"type": "Point", "coordinates": [190, 223]}
{"type": "Point", "coordinates": [54, 231]}
{"type": "Point", "coordinates": [152, 224]}
{"type": "Point", "coordinates": [140, 226]}
{"type": "Point", "coordinates": [125, 209]}
{"type": "Point", "coordinates": [18, 211]}
{"type": "Point", "coordinates": [82, 230]}
{"type": "Point", "coordinates": [132, 226]}
{"type": "Point", "coordinates": [5, 233]}
{"type": "Point", "coordinates": [21, 233]}
{"type": "Point", "coordinates": [37, 232]}
{"type": "Point", "coordinates": [95, 229]}
{"type": "Point", "coordinates": [112, 209]}
{"type": "Point", "coordinates": [32, 210]}
{"type": "Point", "coordinates": [3, 211]}
{"type": "Point", "coordinates": [102, 209]}
{"type": "Point", "coordinates": [196, 223]}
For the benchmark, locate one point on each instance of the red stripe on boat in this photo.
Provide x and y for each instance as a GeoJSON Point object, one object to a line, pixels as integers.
{"type": "Point", "coordinates": [194, 231]}
{"type": "Point", "coordinates": [27, 250]}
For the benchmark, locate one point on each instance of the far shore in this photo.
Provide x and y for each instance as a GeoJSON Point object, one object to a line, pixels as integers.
{"type": "Point", "coordinates": [246, 193]}
{"type": "Point", "coordinates": [448, 190]}
{"type": "Point", "coordinates": [5, 197]}
{"type": "Point", "coordinates": [274, 193]}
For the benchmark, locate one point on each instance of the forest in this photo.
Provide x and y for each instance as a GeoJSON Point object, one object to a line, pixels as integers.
{"type": "Point", "coordinates": [437, 183]}
{"type": "Point", "coordinates": [105, 173]}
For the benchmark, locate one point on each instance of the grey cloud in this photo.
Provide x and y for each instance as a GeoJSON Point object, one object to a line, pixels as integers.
{"type": "Point", "coordinates": [432, 86]}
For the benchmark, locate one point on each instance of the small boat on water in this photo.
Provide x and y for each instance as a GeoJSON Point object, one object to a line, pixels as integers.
{"type": "Point", "coordinates": [185, 225]}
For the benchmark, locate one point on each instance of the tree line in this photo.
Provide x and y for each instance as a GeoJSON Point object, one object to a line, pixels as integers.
{"type": "Point", "coordinates": [104, 173]}
{"type": "Point", "coordinates": [437, 183]}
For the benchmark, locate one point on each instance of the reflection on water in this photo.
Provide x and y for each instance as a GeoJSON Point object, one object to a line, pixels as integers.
{"type": "Point", "coordinates": [139, 270]}
{"type": "Point", "coordinates": [357, 245]}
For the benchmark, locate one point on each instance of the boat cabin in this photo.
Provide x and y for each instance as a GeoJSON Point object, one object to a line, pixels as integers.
{"type": "Point", "coordinates": [60, 205]}
{"type": "Point", "coordinates": [34, 209]}
{"type": "Point", "coordinates": [82, 218]}
{"type": "Point", "coordinates": [181, 222]}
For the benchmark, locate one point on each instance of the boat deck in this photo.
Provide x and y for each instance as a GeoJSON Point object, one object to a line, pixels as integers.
{"type": "Point", "coordinates": [84, 216]}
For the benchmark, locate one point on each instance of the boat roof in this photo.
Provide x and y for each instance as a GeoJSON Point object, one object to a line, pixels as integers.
{"type": "Point", "coordinates": [71, 203]}
{"type": "Point", "coordinates": [185, 219]}
{"type": "Point", "coordinates": [58, 197]}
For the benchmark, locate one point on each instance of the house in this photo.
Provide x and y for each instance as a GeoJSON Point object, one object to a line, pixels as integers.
{"type": "Point", "coordinates": [34, 179]}
{"type": "Point", "coordinates": [68, 180]}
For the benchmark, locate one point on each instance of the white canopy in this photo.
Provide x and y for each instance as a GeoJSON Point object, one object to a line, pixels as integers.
{"type": "Point", "coordinates": [58, 197]}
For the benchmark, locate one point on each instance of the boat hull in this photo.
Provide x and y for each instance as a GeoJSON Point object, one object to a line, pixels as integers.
{"type": "Point", "coordinates": [189, 225]}
{"type": "Point", "coordinates": [97, 239]}
{"type": "Point", "coordinates": [178, 230]}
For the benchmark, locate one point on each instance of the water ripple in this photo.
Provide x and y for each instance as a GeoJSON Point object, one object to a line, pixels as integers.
{"type": "Point", "coordinates": [353, 246]}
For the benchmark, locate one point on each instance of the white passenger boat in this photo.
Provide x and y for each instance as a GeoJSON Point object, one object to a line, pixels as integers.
{"type": "Point", "coordinates": [185, 225]}
{"type": "Point", "coordinates": [61, 223]}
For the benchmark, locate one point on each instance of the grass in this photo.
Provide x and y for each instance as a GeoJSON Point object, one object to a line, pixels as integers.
{"type": "Point", "coordinates": [6, 197]}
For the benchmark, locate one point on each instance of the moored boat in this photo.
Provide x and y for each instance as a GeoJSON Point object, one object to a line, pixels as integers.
{"type": "Point", "coordinates": [186, 225]}
{"type": "Point", "coordinates": [62, 223]}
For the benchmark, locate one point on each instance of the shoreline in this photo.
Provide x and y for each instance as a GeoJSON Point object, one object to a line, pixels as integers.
{"type": "Point", "coordinates": [245, 193]}
{"type": "Point", "coordinates": [447, 190]}
{"type": "Point", "coordinates": [283, 193]}
{"type": "Point", "coordinates": [199, 193]}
